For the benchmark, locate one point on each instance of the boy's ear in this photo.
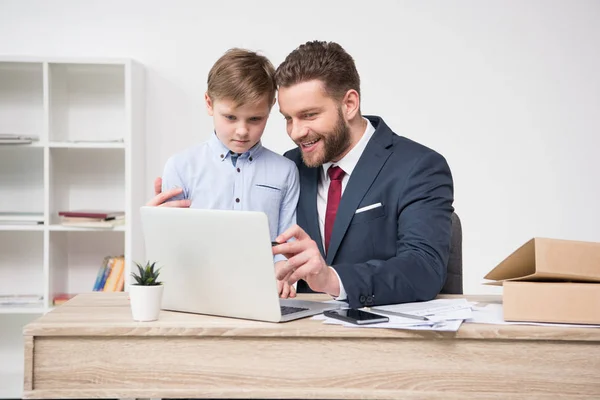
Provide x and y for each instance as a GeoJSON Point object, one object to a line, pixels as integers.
{"type": "Point", "coordinates": [209, 104]}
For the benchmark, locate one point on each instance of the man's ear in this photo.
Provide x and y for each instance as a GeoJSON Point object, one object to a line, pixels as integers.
{"type": "Point", "coordinates": [209, 104]}
{"type": "Point", "coordinates": [351, 104]}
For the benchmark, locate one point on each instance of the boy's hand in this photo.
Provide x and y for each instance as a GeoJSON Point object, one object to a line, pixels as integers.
{"type": "Point", "coordinates": [160, 198]}
{"type": "Point", "coordinates": [284, 289]}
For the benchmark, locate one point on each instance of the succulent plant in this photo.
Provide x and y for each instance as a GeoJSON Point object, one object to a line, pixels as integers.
{"type": "Point", "coordinates": [147, 275]}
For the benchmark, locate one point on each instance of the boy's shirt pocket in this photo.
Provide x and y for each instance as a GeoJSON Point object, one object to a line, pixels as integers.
{"type": "Point", "coordinates": [267, 196]}
{"type": "Point", "coordinates": [267, 186]}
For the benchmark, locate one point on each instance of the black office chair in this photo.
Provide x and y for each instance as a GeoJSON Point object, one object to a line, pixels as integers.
{"type": "Point", "coordinates": [454, 284]}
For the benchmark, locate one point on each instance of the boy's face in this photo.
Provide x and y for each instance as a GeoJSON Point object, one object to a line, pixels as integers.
{"type": "Point", "coordinates": [238, 128]}
{"type": "Point", "coordinates": [315, 122]}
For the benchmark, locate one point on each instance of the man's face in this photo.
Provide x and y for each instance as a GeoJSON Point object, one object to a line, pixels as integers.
{"type": "Point", "coordinates": [238, 128]}
{"type": "Point", "coordinates": [314, 122]}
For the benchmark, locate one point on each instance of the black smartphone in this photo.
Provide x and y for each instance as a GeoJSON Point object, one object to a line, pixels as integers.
{"type": "Point", "coordinates": [355, 316]}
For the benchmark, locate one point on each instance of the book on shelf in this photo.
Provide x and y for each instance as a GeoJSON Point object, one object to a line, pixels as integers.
{"type": "Point", "coordinates": [12, 138]}
{"type": "Point", "coordinates": [111, 275]}
{"type": "Point", "coordinates": [92, 222]}
{"type": "Point", "coordinates": [21, 300]}
{"type": "Point", "coordinates": [21, 218]}
{"type": "Point", "coordinates": [113, 140]}
{"type": "Point", "coordinates": [109, 278]}
{"type": "Point", "coordinates": [92, 218]}
{"type": "Point", "coordinates": [61, 298]}
{"type": "Point", "coordinates": [99, 214]}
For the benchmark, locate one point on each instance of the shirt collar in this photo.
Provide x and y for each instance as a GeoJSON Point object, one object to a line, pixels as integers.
{"type": "Point", "coordinates": [223, 153]}
{"type": "Point", "coordinates": [349, 161]}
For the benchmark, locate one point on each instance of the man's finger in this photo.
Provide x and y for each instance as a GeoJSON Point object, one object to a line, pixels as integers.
{"type": "Point", "coordinates": [157, 186]}
{"type": "Point", "coordinates": [292, 291]}
{"type": "Point", "coordinates": [284, 272]}
{"type": "Point", "coordinates": [294, 231]}
{"type": "Point", "coordinates": [298, 261]}
{"type": "Point", "coordinates": [299, 273]}
{"type": "Point", "coordinates": [290, 249]}
{"type": "Point", "coordinates": [285, 292]}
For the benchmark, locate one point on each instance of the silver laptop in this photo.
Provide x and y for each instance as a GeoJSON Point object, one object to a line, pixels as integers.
{"type": "Point", "coordinates": [219, 262]}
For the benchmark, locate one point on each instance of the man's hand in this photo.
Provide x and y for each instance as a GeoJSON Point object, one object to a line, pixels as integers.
{"type": "Point", "coordinates": [284, 288]}
{"type": "Point", "coordinates": [160, 198]}
{"type": "Point", "coordinates": [305, 262]}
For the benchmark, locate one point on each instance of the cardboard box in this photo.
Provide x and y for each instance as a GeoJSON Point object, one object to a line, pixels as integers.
{"type": "Point", "coordinates": [551, 280]}
{"type": "Point", "coordinates": [562, 302]}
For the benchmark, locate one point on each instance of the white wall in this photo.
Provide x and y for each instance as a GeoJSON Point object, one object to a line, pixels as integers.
{"type": "Point", "coordinates": [508, 91]}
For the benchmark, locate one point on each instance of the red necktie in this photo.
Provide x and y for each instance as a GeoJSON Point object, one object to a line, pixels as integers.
{"type": "Point", "coordinates": [333, 200]}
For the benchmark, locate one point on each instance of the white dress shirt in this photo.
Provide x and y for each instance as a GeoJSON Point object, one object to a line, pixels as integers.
{"type": "Point", "coordinates": [348, 163]}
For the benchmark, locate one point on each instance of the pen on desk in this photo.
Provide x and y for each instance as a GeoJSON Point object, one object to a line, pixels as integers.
{"type": "Point", "coordinates": [398, 314]}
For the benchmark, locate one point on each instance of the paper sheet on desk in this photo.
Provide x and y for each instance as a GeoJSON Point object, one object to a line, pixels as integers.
{"type": "Point", "coordinates": [438, 308]}
{"type": "Point", "coordinates": [493, 314]}
{"type": "Point", "coordinates": [443, 315]}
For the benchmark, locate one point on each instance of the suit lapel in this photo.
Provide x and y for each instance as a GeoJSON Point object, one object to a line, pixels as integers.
{"type": "Point", "coordinates": [370, 163]}
{"type": "Point", "coordinates": [309, 180]}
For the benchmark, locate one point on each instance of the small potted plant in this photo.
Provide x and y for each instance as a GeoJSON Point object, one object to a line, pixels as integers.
{"type": "Point", "coordinates": [145, 293]}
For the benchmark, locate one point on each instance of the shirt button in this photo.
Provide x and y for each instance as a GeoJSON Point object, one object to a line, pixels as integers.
{"type": "Point", "coordinates": [250, 159]}
{"type": "Point", "coordinates": [222, 155]}
{"type": "Point", "coordinates": [237, 200]}
{"type": "Point", "coordinates": [238, 170]}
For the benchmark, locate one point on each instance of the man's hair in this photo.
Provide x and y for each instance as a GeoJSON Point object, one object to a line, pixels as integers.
{"type": "Point", "coordinates": [325, 61]}
{"type": "Point", "coordinates": [243, 77]}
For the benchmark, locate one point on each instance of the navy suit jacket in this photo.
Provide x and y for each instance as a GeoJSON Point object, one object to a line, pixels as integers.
{"type": "Point", "coordinates": [397, 252]}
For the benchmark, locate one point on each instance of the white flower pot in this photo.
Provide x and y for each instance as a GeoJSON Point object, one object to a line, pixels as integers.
{"type": "Point", "coordinates": [145, 302]}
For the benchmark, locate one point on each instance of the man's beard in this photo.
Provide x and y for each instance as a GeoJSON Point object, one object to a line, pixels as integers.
{"type": "Point", "coordinates": [335, 143]}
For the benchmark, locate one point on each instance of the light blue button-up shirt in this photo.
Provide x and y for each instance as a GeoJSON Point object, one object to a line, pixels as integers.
{"type": "Point", "coordinates": [261, 180]}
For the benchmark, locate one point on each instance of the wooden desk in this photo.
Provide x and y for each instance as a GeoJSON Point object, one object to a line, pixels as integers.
{"type": "Point", "coordinates": [90, 347]}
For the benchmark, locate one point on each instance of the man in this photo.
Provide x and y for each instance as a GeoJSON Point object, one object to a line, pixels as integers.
{"type": "Point", "coordinates": [374, 209]}
{"type": "Point", "coordinates": [376, 229]}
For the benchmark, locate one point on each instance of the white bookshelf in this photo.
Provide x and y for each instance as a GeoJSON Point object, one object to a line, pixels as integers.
{"type": "Point", "coordinates": [88, 116]}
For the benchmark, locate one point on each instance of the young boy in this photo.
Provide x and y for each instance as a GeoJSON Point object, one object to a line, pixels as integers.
{"type": "Point", "coordinates": [232, 170]}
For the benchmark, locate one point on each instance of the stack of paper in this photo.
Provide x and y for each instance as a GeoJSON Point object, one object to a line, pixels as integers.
{"type": "Point", "coordinates": [441, 314]}
{"type": "Point", "coordinates": [21, 218]}
{"type": "Point", "coordinates": [10, 138]}
{"type": "Point", "coordinates": [21, 300]}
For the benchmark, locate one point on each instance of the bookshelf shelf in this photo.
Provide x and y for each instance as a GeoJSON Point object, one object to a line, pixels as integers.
{"type": "Point", "coordinates": [35, 228]}
{"type": "Point", "coordinates": [35, 144]}
{"type": "Point", "coordinates": [87, 145]}
{"type": "Point", "coordinates": [63, 228]}
{"type": "Point", "coordinates": [88, 116]}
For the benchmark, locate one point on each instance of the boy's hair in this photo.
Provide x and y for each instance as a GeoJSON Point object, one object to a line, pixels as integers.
{"type": "Point", "coordinates": [325, 61]}
{"type": "Point", "coordinates": [243, 77]}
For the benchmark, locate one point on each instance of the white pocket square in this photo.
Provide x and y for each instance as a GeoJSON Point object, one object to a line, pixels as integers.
{"type": "Point", "coordinates": [367, 208]}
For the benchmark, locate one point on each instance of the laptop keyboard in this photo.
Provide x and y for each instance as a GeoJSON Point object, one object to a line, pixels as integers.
{"type": "Point", "coordinates": [285, 310]}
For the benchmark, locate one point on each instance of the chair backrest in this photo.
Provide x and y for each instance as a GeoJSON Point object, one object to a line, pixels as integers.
{"type": "Point", "coordinates": [454, 283]}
